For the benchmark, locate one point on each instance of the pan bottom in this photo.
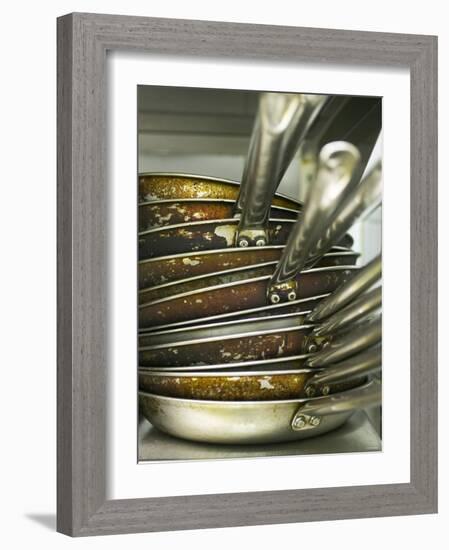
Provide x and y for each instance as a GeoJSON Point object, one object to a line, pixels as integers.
{"type": "Point", "coordinates": [231, 423]}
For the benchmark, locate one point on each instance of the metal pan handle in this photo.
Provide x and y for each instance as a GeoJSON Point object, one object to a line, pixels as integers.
{"type": "Point", "coordinates": [366, 196]}
{"type": "Point", "coordinates": [281, 122]}
{"type": "Point", "coordinates": [339, 348]}
{"type": "Point", "coordinates": [361, 281]}
{"type": "Point", "coordinates": [310, 414]}
{"type": "Point", "coordinates": [358, 309]}
{"type": "Point", "coordinates": [337, 162]}
{"type": "Point", "coordinates": [358, 365]}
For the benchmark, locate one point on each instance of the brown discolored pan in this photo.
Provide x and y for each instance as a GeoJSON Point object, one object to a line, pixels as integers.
{"type": "Point", "coordinates": [237, 296]}
{"type": "Point", "coordinates": [229, 348]}
{"type": "Point", "coordinates": [244, 386]}
{"type": "Point", "coordinates": [160, 213]}
{"type": "Point", "coordinates": [157, 271]}
{"type": "Point", "coordinates": [297, 306]}
{"type": "Point", "coordinates": [204, 235]}
{"type": "Point", "coordinates": [163, 186]}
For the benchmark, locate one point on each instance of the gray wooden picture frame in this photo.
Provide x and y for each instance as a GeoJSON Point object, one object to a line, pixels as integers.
{"type": "Point", "coordinates": [83, 40]}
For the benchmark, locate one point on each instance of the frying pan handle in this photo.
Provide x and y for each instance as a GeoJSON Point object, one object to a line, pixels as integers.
{"type": "Point", "coordinates": [358, 365]}
{"type": "Point", "coordinates": [357, 284]}
{"type": "Point", "coordinates": [309, 415]}
{"type": "Point", "coordinates": [355, 311]}
{"type": "Point", "coordinates": [366, 196]}
{"type": "Point", "coordinates": [334, 349]}
{"type": "Point", "coordinates": [281, 122]}
{"type": "Point", "coordinates": [337, 162]}
{"type": "Point", "coordinates": [310, 146]}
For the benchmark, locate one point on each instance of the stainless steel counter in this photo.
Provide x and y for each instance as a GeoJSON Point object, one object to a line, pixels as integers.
{"type": "Point", "coordinates": [357, 435]}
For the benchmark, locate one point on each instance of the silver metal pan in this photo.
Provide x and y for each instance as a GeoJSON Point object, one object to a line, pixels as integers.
{"type": "Point", "coordinates": [252, 422]}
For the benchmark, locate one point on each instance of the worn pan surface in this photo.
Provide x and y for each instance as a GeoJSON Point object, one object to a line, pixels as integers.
{"type": "Point", "coordinates": [166, 186]}
{"type": "Point", "coordinates": [204, 235]}
{"type": "Point", "coordinates": [253, 422]}
{"type": "Point", "coordinates": [242, 386]}
{"type": "Point", "coordinates": [228, 348]}
{"type": "Point", "coordinates": [207, 235]}
{"type": "Point", "coordinates": [293, 362]}
{"type": "Point", "coordinates": [227, 276]}
{"type": "Point", "coordinates": [307, 304]}
{"type": "Point", "coordinates": [236, 296]}
{"type": "Point", "coordinates": [157, 271]}
{"type": "Point", "coordinates": [175, 211]}
{"type": "Point", "coordinates": [211, 330]}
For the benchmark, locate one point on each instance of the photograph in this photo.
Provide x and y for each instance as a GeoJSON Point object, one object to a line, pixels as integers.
{"type": "Point", "coordinates": [259, 274]}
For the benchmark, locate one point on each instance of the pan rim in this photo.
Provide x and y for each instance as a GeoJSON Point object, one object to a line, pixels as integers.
{"type": "Point", "coordinates": [225, 337]}
{"type": "Point", "coordinates": [342, 250]}
{"type": "Point", "coordinates": [233, 322]}
{"type": "Point", "coordinates": [245, 281]}
{"type": "Point", "coordinates": [222, 221]}
{"type": "Point", "coordinates": [284, 359]}
{"type": "Point", "coordinates": [225, 272]}
{"type": "Point", "coordinates": [267, 403]}
{"type": "Point", "coordinates": [237, 374]}
{"type": "Point", "coordinates": [191, 322]}
{"type": "Point", "coordinates": [210, 178]}
{"type": "Point", "coordinates": [206, 200]}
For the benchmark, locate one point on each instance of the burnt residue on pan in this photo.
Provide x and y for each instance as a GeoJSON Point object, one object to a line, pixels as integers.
{"type": "Point", "coordinates": [261, 387]}
{"type": "Point", "coordinates": [183, 186]}
{"type": "Point", "coordinates": [161, 213]}
{"type": "Point", "coordinates": [196, 236]}
{"type": "Point", "coordinates": [235, 297]}
{"type": "Point", "coordinates": [157, 271]}
{"type": "Point", "coordinates": [180, 286]}
{"type": "Point", "coordinates": [246, 347]}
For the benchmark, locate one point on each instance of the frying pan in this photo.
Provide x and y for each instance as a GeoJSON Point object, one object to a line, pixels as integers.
{"type": "Point", "coordinates": [247, 422]}
{"type": "Point", "coordinates": [203, 235]}
{"type": "Point", "coordinates": [227, 276]}
{"type": "Point", "coordinates": [235, 296]}
{"type": "Point", "coordinates": [174, 211]}
{"type": "Point", "coordinates": [277, 337]}
{"type": "Point", "coordinates": [255, 313]}
{"type": "Point", "coordinates": [156, 271]}
{"type": "Point", "coordinates": [260, 383]}
{"type": "Point", "coordinates": [156, 186]}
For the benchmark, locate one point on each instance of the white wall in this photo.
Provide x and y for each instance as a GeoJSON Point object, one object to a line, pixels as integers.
{"type": "Point", "coordinates": [27, 217]}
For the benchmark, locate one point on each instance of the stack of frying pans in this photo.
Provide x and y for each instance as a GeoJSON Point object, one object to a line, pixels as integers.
{"type": "Point", "coordinates": [255, 325]}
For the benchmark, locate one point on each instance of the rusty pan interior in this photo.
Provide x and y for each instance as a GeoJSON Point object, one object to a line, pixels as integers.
{"type": "Point", "coordinates": [162, 186]}
{"type": "Point", "coordinates": [242, 386]}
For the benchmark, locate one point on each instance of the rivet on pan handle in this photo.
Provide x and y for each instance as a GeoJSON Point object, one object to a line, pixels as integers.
{"type": "Point", "coordinates": [358, 309]}
{"type": "Point", "coordinates": [334, 349]}
{"type": "Point", "coordinates": [358, 365]}
{"type": "Point", "coordinates": [309, 415]}
{"type": "Point", "coordinates": [358, 283]}
{"type": "Point", "coordinates": [281, 122]}
{"type": "Point", "coordinates": [337, 162]}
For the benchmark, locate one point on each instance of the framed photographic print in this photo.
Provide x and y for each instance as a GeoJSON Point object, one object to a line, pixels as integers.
{"type": "Point", "coordinates": [247, 286]}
